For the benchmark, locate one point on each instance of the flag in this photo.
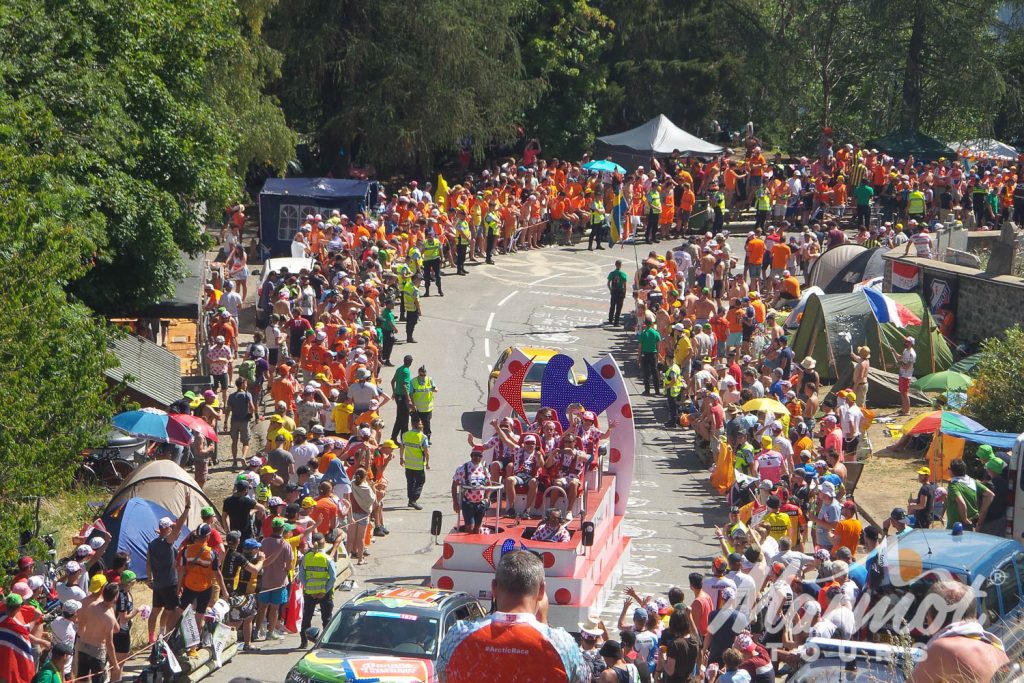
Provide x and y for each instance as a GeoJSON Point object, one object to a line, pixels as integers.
{"type": "Point", "coordinates": [886, 310]}
{"type": "Point", "coordinates": [620, 217]}
{"type": "Point", "coordinates": [441, 195]}
{"type": "Point", "coordinates": [905, 277]}
{"type": "Point", "coordinates": [16, 662]}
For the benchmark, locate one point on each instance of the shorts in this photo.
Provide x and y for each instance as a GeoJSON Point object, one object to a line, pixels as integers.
{"type": "Point", "coordinates": [473, 513]}
{"type": "Point", "coordinates": [904, 384]}
{"type": "Point", "coordinates": [753, 269]}
{"type": "Point", "coordinates": [734, 339]}
{"type": "Point", "coordinates": [200, 598]}
{"type": "Point", "coordinates": [220, 381]}
{"type": "Point", "coordinates": [166, 598]}
{"type": "Point", "coordinates": [240, 430]}
{"type": "Point", "coordinates": [565, 482]}
{"type": "Point", "coordinates": [123, 640]}
{"type": "Point", "coordinates": [242, 607]}
{"type": "Point", "coordinates": [777, 272]}
{"type": "Point", "coordinates": [278, 596]}
{"type": "Point", "coordinates": [361, 518]}
{"type": "Point", "coordinates": [522, 479]}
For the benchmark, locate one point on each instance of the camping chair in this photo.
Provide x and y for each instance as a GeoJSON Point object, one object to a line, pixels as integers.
{"type": "Point", "coordinates": [853, 472]}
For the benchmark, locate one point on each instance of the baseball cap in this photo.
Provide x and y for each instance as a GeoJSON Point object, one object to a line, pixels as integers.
{"type": "Point", "coordinates": [71, 567]}
{"type": "Point", "coordinates": [35, 583]}
{"type": "Point", "coordinates": [127, 576]}
{"type": "Point", "coordinates": [97, 582]}
{"type": "Point", "coordinates": [203, 530]}
{"type": "Point", "coordinates": [207, 512]}
{"type": "Point", "coordinates": [899, 515]}
{"type": "Point", "coordinates": [85, 550]}
{"type": "Point", "coordinates": [275, 501]}
{"type": "Point", "coordinates": [165, 523]}
{"type": "Point", "coordinates": [250, 544]}
{"type": "Point", "coordinates": [719, 563]}
{"type": "Point", "coordinates": [14, 600]}
{"type": "Point", "coordinates": [70, 607]}
{"type": "Point", "coordinates": [95, 542]}
{"type": "Point", "coordinates": [925, 470]}
{"type": "Point", "coordinates": [25, 562]}
{"type": "Point", "coordinates": [308, 502]}
{"type": "Point", "coordinates": [63, 649]}
{"type": "Point", "coordinates": [828, 489]}
{"type": "Point", "coordinates": [277, 523]}
{"type": "Point", "coordinates": [268, 469]}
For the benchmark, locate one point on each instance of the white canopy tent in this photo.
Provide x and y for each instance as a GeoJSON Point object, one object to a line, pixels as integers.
{"type": "Point", "coordinates": [659, 137]}
{"type": "Point", "coordinates": [988, 147]}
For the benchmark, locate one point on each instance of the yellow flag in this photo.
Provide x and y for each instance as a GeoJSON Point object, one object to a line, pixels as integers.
{"type": "Point", "coordinates": [441, 195]}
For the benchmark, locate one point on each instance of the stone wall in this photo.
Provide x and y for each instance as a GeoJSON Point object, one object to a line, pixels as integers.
{"type": "Point", "coordinates": [985, 306]}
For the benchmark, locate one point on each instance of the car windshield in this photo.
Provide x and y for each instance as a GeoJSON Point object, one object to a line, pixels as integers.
{"type": "Point", "coordinates": [830, 670]}
{"type": "Point", "coordinates": [379, 632]}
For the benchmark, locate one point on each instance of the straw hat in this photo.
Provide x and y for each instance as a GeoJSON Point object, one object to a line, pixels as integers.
{"type": "Point", "coordinates": [591, 627]}
{"type": "Point", "coordinates": [808, 363]}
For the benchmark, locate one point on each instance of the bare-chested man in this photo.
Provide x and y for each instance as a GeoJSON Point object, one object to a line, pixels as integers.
{"type": "Point", "coordinates": [97, 624]}
{"type": "Point", "coordinates": [705, 307]}
{"type": "Point", "coordinates": [862, 363]}
{"type": "Point", "coordinates": [707, 269]}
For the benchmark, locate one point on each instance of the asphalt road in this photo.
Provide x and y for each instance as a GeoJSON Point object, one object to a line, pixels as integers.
{"type": "Point", "coordinates": [555, 297]}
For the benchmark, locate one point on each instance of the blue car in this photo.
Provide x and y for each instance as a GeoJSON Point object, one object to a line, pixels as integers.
{"type": "Point", "coordinates": [993, 565]}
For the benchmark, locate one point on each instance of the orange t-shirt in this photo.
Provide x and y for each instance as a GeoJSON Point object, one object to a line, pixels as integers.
{"type": "Point", "coordinates": [847, 535]}
{"type": "Point", "coordinates": [780, 255]}
{"type": "Point", "coordinates": [755, 251]}
{"type": "Point", "coordinates": [687, 200]}
{"type": "Point", "coordinates": [735, 318]}
{"type": "Point", "coordinates": [757, 164]}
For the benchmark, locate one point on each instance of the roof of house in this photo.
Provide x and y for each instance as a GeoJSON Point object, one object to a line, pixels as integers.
{"type": "Point", "coordinates": [147, 368]}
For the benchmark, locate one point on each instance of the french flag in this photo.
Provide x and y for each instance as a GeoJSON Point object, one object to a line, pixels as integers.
{"type": "Point", "coordinates": [888, 311]}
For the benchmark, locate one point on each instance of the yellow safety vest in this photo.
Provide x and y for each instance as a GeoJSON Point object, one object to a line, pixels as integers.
{"type": "Point", "coordinates": [413, 442]}
{"type": "Point", "coordinates": [672, 381]}
{"type": "Point", "coordinates": [465, 236]}
{"type": "Point", "coordinates": [915, 202]}
{"type": "Point", "coordinates": [491, 223]}
{"type": "Point", "coordinates": [422, 394]}
{"type": "Point", "coordinates": [315, 566]}
{"type": "Point", "coordinates": [596, 213]}
{"type": "Point", "coordinates": [410, 296]}
{"type": "Point", "coordinates": [654, 199]}
{"type": "Point", "coordinates": [764, 202]}
{"type": "Point", "coordinates": [719, 198]}
{"type": "Point", "coordinates": [431, 249]}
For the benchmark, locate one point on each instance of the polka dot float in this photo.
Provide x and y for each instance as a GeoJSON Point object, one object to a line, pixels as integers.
{"type": "Point", "coordinates": [515, 367]}
{"type": "Point", "coordinates": [493, 403]}
{"type": "Point", "coordinates": [607, 371]}
{"type": "Point", "coordinates": [563, 596]}
{"type": "Point", "coordinates": [549, 560]}
{"type": "Point", "coordinates": [627, 412]}
{"type": "Point", "coordinates": [614, 455]}
{"type": "Point", "coordinates": [448, 551]}
{"type": "Point", "coordinates": [445, 583]}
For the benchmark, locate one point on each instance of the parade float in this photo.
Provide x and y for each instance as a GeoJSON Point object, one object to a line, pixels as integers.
{"type": "Point", "coordinates": [580, 574]}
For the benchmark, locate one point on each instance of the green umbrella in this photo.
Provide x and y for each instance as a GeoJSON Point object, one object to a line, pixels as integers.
{"type": "Point", "coordinates": [947, 380]}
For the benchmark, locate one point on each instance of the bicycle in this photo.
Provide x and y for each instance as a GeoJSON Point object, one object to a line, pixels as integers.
{"type": "Point", "coordinates": [104, 467]}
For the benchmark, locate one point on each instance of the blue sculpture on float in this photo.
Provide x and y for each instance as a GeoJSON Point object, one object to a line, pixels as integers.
{"type": "Point", "coordinates": [556, 391]}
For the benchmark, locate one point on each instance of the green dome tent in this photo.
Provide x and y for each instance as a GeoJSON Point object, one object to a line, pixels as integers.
{"type": "Point", "coordinates": [835, 324]}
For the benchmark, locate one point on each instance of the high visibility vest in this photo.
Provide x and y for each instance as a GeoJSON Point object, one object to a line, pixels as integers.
{"type": "Point", "coordinates": [422, 394]}
{"type": "Point", "coordinates": [198, 577]}
{"type": "Point", "coordinates": [654, 200]}
{"type": "Point", "coordinates": [672, 383]}
{"type": "Point", "coordinates": [596, 213]}
{"type": "Point", "coordinates": [263, 493]}
{"type": "Point", "coordinates": [431, 249]}
{"type": "Point", "coordinates": [719, 198]}
{"type": "Point", "coordinates": [915, 202]}
{"type": "Point", "coordinates": [464, 234]}
{"type": "Point", "coordinates": [491, 223]}
{"type": "Point", "coordinates": [764, 202]}
{"type": "Point", "coordinates": [315, 566]}
{"type": "Point", "coordinates": [410, 296]}
{"type": "Point", "coordinates": [413, 442]}
{"type": "Point", "coordinates": [979, 189]}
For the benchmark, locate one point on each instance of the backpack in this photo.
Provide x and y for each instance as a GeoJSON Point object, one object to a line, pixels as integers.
{"type": "Point", "coordinates": [247, 370]}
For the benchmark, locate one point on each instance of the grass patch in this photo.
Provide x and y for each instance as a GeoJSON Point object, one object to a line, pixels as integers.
{"type": "Point", "coordinates": [64, 514]}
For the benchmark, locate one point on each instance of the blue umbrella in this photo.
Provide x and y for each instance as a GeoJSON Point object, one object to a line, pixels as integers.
{"type": "Point", "coordinates": [604, 165]}
{"type": "Point", "coordinates": [150, 423]}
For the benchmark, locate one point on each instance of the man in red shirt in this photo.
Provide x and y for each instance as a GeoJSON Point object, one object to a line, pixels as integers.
{"type": "Point", "coordinates": [701, 607]}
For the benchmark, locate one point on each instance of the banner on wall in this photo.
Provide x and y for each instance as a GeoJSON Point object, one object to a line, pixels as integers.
{"type": "Point", "coordinates": [905, 277]}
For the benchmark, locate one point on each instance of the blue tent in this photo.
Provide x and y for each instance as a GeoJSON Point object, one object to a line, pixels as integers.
{"type": "Point", "coordinates": [132, 527]}
{"type": "Point", "coordinates": [285, 202]}
{"type": "Point", "coordinates": [999, 440]}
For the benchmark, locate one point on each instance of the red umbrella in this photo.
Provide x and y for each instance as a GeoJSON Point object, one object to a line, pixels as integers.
{"type": "Point", "coordinates": [196, 424]}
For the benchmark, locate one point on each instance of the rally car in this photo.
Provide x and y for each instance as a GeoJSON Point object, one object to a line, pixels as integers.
{"type": "Point", "coordinates": [387, 635]}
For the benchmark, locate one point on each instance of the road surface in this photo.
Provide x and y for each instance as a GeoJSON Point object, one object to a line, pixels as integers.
{"type": "Point", "coordinates": [557, 298]}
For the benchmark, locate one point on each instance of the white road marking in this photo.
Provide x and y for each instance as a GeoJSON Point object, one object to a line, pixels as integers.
{"type": "Point", "coordinates": [487, 347]}
{"type": "Point", "coordinates": [490, 319]}
{"type": "Point", "coordinates": [503, 301]}
{"type": "Point", "coordinates": [549, 277]}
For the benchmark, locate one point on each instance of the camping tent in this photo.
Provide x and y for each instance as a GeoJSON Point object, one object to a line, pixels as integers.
{"type": "Point", "coordinates": [659, 137]}
{"type": "Point", "coordinates": [987, 147]}
{"type": "Point", "coordinates": [839, 269]}
{"type": "Point", "coordinates": [155, 490]}
{"type": "Point", "coordinates": [834, 324]}
{"type": "Point", "coordinates": [904, 143]}
{"type": "Point", "coordinates": [285, 202]}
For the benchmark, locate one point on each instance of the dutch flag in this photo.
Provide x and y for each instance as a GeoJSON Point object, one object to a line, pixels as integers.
{"type": "Point", "coordinates": [888, 311]}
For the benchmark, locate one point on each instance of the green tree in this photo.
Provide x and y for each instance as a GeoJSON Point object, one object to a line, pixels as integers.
{"type": "Point", "coordinates": [565, 44]}
{"type": "Point", "coordinates": [996, 399]}
{"type": "Point", "coordinates": [391, 84]}
{"type": "Point", "coordinates": [159, 104]}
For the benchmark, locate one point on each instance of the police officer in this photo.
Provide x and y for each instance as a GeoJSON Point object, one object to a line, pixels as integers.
{"type": "Point", "coordinates": [672, 380]}
{"type": "Point", "coordinates": [414, 456]}
{"type": "Point", "coordinates": [492, 226]}
{"type": "Point", "coordinates": [432, 262]}
{"type": "Point", "coordinates": [411, 305]}
{"type": "Point", "coordinates": [718, 204]}
{"type": "Point", "coordinates": [598, 221]}
{"type": "Point", "coordinates": [421, 392]}
{"type": "Point", "coordinates": [463, 238]}
{"type": "Point", "coordinates": [317, 576]}
{"type": "Point", "coordinates": [653, 201]}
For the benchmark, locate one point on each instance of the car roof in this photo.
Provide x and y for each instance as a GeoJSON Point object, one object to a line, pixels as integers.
{"type": "Point", "coordinates": [407, 598]}
{"type": "Point", "coordinates": [539, 354]}
{"type": "Point", "coordinates": [968, 552]}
